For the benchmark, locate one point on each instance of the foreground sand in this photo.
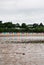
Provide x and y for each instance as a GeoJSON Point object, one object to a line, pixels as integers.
{"type": "Point", "coordinates": [21, 54]}
{"type": "Point", "coordinates": [12, 53]}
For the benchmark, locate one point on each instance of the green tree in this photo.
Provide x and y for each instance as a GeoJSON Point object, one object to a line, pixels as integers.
{"type": "Point", "coordinates": [0, 22]}
{"type": "Point", "coordinates": [23, 25]}
{"type": "Point", "coordinates": [35, 25]}
{"type": "Point", "coordinates": [41, 24]}
{"type": "Point", "coordinates": [8, 24]}
{"type": "Point", "coordinates": [17, 25]}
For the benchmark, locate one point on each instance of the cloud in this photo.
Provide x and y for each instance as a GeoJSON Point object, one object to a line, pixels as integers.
{"type": "Point", "coordinates": [21, 4]}
{"type": "Point", "coordinates": [28, 11]}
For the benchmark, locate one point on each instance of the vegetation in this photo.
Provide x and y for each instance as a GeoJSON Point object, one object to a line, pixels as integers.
{"type": "Point", "coordinates": [10, 27]}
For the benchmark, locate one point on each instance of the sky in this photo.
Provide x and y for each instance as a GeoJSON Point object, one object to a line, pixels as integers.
{"type": "Point", "coordinates": [22, 11]}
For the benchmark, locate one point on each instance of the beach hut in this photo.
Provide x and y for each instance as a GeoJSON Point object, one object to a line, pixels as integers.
{"type": "Point", "coordinates": [18, 34]}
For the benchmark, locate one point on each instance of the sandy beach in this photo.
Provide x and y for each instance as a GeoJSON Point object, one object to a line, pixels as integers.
{"type": "Point", "coordinates": [20, 34]}
{"type": "Point", "coordinates": [24, 37]}
{"type": "Point", "coordinates": [12, 53]}
{"type": "Point", "coordinates": [21, 54]}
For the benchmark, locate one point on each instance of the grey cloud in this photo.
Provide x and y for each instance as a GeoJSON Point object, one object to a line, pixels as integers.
{"type": "Point", "coordinates": [28, 11]}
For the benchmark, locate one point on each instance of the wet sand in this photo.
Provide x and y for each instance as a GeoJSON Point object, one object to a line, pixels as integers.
{"type": "Point", "coordinates": [22, 54]}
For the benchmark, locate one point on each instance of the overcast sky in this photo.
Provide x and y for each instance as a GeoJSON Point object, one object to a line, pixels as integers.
{"type": "Point", "coordinates": [19, 11]}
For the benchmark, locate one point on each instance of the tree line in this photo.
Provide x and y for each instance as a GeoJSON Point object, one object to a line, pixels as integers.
{"type": "Point", "coordinates": [10, 27]}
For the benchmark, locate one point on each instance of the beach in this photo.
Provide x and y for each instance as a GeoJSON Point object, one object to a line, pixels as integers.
{"type": "Point", "coordinates": [22, 37]}
{"type": "Point", "coordinates": [20, 34]}
{"type": "Point", "coordinates": [20, 53]}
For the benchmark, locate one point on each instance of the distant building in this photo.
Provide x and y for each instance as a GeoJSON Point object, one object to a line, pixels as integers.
{"type": "Point", "coordinates": [30, 25]}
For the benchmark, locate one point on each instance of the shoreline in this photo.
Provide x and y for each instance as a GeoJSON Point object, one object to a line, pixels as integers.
{"type": "Point", "coordinates": [20, 34]}
{"type": "Point", "coordinates": [22, 38]}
